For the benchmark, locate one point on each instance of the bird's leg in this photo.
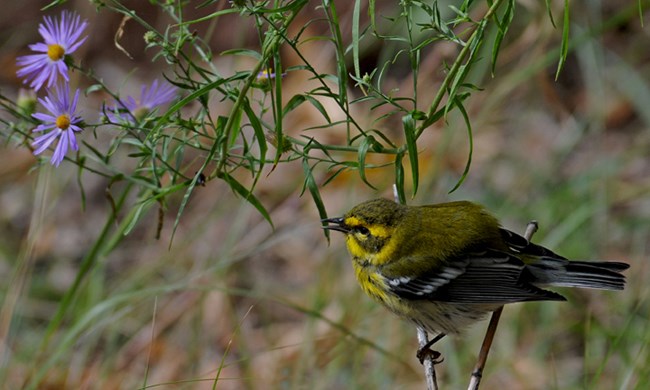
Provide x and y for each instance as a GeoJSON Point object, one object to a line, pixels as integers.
{"type": "Point", "coordinates": [426, 350]}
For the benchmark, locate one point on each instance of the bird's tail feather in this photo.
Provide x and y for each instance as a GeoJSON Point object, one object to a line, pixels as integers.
{"type": "Point", "coordinates": [604, 275]}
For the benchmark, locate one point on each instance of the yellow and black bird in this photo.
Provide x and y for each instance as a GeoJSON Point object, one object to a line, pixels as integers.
{"type": "Point", "coordinates": [445, 266]}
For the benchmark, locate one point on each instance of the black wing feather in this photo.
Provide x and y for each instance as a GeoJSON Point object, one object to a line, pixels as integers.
{"type": "Point", "coordinates": [489, 277]}
{"type": "Point", "coordinates": [500, 277]}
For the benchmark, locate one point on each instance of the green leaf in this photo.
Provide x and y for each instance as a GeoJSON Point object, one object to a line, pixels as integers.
{"type": "Point", "coordinates": [319, 106]}
{"type": "Point", "coordinates": [564, 47]}
{"type": "Point", "coordinates": [297, 100]}
{"type": "Point", "coordinates": [258, 130]}
{"type": "Point", "coordinates": [470, 137]}
{"type": "Point", "coordinates": [550, 13]}
{"type": "Point", "coordinates": [463, 69]}
{"type": "Point", "coordinates": [278, 111]}
{"type": "Point", "coordinates": [399, 178]}
{"type": "Point", "coordinates": [80, 171]}
{"type": "Point", "coordinates": [502, 30]}
{"type": "Point", "coordinates": [640, 6]}
{"type": "Point", "coordinates": [334, 175]}
{"type": "Point", "coordinates": [246, 194]}
{"type": "Point", "coordinates": [341, 69]}
{"type": "Point", "coordinates": [310, 184]}
{"type": "Point", "coordinates": [243, 52]}
{"type": "Point", "coordinates": [236, 117]}
{"type": "Point", "coordinates": [412, 148]}
{"type": "Point", "coordinates": [294, 102]}
{"type": "Point", "coordinates": [366, 144]}
{"type": "Point", "coordinates": [356, 15]}
{"type": "Point", "coordinates": [135, 217]}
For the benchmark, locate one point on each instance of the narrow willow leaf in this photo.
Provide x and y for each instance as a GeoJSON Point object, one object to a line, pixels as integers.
{"type": "Point", "coordinates": [366, 144]}
{"type": "Point", "coordinates": [236, 125]}
{"type": "Point", "coordinates": [259, 132]}
{"type": "Point", "coordinates": [550, 13]}
{"type": "Point", "coordinates": [293, 6]}
{"type": "Point", "coordinates": [463, 70]}
{"type": "Point", "coordinates": [140, 208]}
{"type": "Point", "coordinates": [294, 102]}
{"type": "Point", "coordinates": [378, 147]}
{"type": "Point", "coordinates": [399, 178]}
{"type": "Point", "coordinates": [246, 194]}
{"type": "Point", "coordinates": [243, 52]}
{"type": "Point", "coordinates": [319, 106]}
{"type": "Point", "coordinates": [334, 175]}
{"type": "Point", "coordinates": [356, 15]}
{"type": "Point", "coordinates": [640, 4]}
{"type": "Point", "coordinates": [278, 112]}
{"type": "Point", "coordinates": [80, 171]}
{"type": "Point", "coordinates": [310, 184]}
{"type": "Point", "coordinates": [468, 125]}
{"type": "Point", "coordinates": [297, 100]}
{"type": "Point", "coordinates": [564, 47]}
{"type": "Point", "coordinates": [412, 147]}
{"type": "Point", "coordinates": [341, 69]}
{"type": "Point", "coordinates": [502, 30]}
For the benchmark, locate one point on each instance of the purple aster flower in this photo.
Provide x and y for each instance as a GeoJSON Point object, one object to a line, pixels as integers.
{"type": "Point", "coordinates": [61, 38]}
{"type": "Point", "coordinates": [132, 111]}
{"type": "Point", "coordinates": [265, 75]}
{"type": "Point", "coordinates": [264, 79]}
{"type": "Point", "coordinates": [62, 121]}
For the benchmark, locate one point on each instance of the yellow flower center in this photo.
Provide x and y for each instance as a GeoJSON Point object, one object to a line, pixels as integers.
{"type": "Point", "coordinates": [63, 121]}
{"type": "Point", "coordinates": [55, 52]}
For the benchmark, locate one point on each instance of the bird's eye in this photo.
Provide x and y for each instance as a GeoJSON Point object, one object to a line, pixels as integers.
{"type": "Point", "coordinates": [362, 230]}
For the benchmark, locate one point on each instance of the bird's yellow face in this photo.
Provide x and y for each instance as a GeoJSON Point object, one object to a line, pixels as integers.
{"type": "Point", "coordinates": [365, 240]}
{"type": "Point", "coordinates": [370, 230]}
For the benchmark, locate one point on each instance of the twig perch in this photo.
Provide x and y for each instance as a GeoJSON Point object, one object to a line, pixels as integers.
{"type": "Point", "coordinates": [428, 363]}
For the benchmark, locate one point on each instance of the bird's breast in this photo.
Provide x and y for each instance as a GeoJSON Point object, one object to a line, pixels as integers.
{"type": "Point", "coordinates": [373, 283]}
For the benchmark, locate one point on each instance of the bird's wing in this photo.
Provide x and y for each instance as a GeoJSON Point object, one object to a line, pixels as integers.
{"type": "Point", "coordinates": [488, 277]}
{"type": "Point", "coordinates": [551, 269]}
{"type": "Point", "coordinates": [518, 244]}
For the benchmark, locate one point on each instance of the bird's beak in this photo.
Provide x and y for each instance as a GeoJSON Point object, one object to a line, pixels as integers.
{"type": "Point", "coordinates": [337, 224]}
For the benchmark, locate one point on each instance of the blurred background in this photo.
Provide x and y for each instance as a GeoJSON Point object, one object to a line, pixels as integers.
{"type": "Point", "coordinates": [232, 303]}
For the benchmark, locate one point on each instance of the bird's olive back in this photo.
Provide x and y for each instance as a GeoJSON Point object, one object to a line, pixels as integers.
{"type": "Point", "coordinates": [381, 231]}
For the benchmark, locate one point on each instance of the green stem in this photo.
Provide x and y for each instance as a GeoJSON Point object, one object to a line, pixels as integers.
{"type": "Point", "coordinates": [453, 71]}
{"type": "Point", "coordinates": [266, 54]}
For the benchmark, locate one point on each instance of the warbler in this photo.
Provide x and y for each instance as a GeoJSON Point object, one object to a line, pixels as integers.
{"type": "Point", "coordinates": [445, 266]}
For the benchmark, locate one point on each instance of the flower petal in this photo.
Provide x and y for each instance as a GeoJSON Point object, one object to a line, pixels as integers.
{"type": "Point", "coordinates": [44, 141]}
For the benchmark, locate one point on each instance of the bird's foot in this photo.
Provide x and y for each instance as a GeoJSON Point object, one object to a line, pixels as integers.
{"type": "Point", "coordinates": [428, 353]}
